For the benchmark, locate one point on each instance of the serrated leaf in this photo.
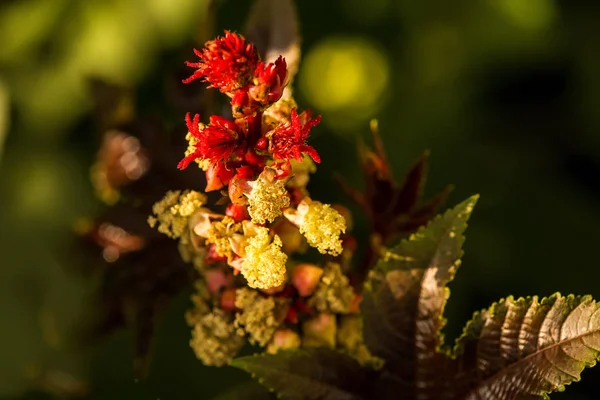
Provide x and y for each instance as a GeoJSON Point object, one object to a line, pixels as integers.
{"type": "Point", "coordinates": [412, 188]}
{"type": "Point", "coordinates": [404, 299]}
{"type": "Point", "coordinates": [309, 374]}
{"type": "Point", "coordinates": [273, 28]}
{"type": "Point", "coordinates": [527, 348]}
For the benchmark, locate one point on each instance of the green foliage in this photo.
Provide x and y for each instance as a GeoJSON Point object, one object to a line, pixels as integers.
{"type": "Point", "coordinates": [309, 374]}
{"type": "Point", "coordinates": [526, 348]}
{"type": "Point", "coordinates": [248, 390]}
{"type": "Point", "coordinates": [404, 298]}
{"type": "Point", "coordinates": [517, 349]}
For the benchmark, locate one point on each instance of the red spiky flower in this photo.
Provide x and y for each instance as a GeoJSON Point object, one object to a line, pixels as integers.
{"type": "Point", "coordinates": [289, 141]}
{"type": "Point", "coordinates": [216, 142]}
{"type": "Point", "coordinates": [227, 63]}
{"type": "Point", "coordinates": [269, 81]}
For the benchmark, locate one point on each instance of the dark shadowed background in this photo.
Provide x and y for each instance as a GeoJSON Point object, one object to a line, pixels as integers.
{"type": "Point", "coordinates": [504, 93]}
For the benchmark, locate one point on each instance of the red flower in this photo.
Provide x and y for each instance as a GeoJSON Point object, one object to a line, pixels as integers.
{"type": "Point", "coordinates": [289, 140]}
{"type": "Point", "coordinates": [269, 82]}
{"type": "Point", "coordinates": [217, 176]}
{"type": "Point", "coordinates": [217, 141]}
{"type": "Point", "coordinates": [227, 63]}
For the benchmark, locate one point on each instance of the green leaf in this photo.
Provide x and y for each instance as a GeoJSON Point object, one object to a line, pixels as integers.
{"type": "Point", "coordinates": [526, 348]}
{"type": "Point", "coordinates": [403, 303]}
{"type": "Point", "coordinates": [412, 189]}
{"type": "Point", "coordinates": [309, 374]}
{"type": "Point", "coordinates": [249, 390]}
{"type": "Point", "coordinates": [273, 27]}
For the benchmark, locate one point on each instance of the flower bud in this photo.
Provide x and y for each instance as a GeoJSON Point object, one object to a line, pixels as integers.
{"type": "Point", "coordinates": [305, 278]}
{"type": "Point", "coordinates": [319, 331]}
{"type": "Point", "coordinates": [227, 301]}
{"type": "Point", "coordinates": [242, 105]}
{"type": "Point", "coordinates": [292, 315]}
{"type": "Point", "coordinates": [238, 212]}
{"type": "Point", "coordinates": [355, 305]}
{"type": "Point", "coordinates": [238, 188]}
{"type": "Point", "coordinates": [283, 339]}
{"type": "Point", "coordinates": [212, 256]}
{"type": "Point", "coordinates": [200, 222]}
{"type": "Point", "coordinates": [273, 290]}
{"type": "Point", "coordinates": [270, 82]}
{"type": "Point", "coordinates": [216, 278]}
{"type": "Point", "coordinates": [290, 236]}
{"type": "Point", "coordinates": [217, 176]}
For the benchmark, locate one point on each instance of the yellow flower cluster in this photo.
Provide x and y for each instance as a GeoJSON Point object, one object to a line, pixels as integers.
{"type": "Point", "coordinates": [264, 262]}
{"type": "Point", "coordinates": [173, 211]}
{"type": "Point", "coordinates": [220, 233]}
{"type": "Point", "coordinates": [320, 224]}
{"type": "Point", "coordinates": [214, 339]}
{"type": "Point", "coordinates": [188, 203]}
{"type": "Point", "coordinates": [268, 197]}
{"type": "Point", "coordinates": [334, 293]}
{"type": "Point", "coordinates": [259, 316]}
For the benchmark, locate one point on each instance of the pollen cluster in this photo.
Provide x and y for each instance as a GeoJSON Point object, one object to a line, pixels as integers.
{"type": "Point", "coordinates": [220, 234]}
{"type": "Point", "coordinates": [320, 224]}
{"type": "Point", "coordinates": [268, 197]}
{"type": "Point", "coordinates": [172, 213]}
{"type": "Point", "coordinates": [264, 264]}
{"type": "Point", "coordinates": [214, 339]}
{"type": "Point", "coordinates": [334, 293]}
{"type": "Point", "coordinates": [259, 315]}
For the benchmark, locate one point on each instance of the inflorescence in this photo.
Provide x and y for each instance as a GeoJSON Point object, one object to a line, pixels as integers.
{"type": "Point", "coordinates": [249, 285]}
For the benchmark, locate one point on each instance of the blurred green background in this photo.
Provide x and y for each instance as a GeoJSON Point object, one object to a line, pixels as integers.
{"type": "Point", "coordinates": [505, 94]}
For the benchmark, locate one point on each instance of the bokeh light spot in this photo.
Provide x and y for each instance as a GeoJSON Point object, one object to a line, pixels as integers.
{"type": "Point", "coordinates": [529, 14]}
{"type": "Point", "coordinates": [345, 78]}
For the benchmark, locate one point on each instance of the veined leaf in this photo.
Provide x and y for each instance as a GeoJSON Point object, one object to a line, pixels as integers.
{"type": "Point", "coordinates": [403, 303]}
{"type": "Point", "coordinates": [527, 348]}
{"type": "Point", "coordinates": [318, 373]}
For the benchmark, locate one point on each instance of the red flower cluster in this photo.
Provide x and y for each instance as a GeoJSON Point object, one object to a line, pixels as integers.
{"type": "Point", "coordinates": [227, 63]}
{"type": "Point", "coordinates": [240, 149]}
{"type": "Point", "coordinates": [233, 66]}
